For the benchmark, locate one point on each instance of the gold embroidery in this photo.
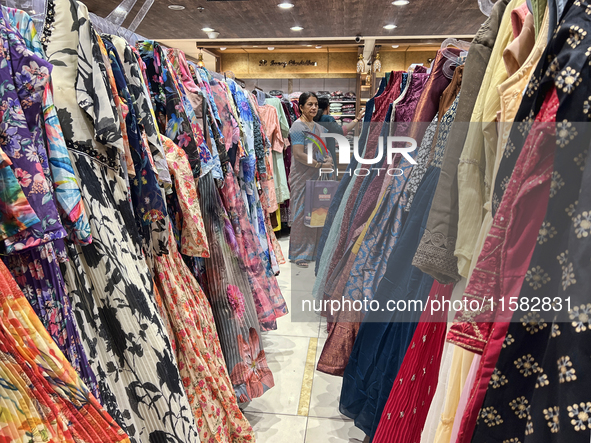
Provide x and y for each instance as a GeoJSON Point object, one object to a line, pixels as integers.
{"type": "Point", "coordinates": [532, 87]}
{"type": "Point", "coordinates": [547, 231]}
{"type": "Point", "coordinates": [512, 440]}
{"type": "Point", "coordinates": [555, 331]}
{"type": "Point", "coordinates": [581, 316]}
{"type": "Point", "coordinates": [497, 379]}
{"type": "Point", "coordinates": [527, 365]}
{"type": "Point", "coordinates": [491, 417]}
{"type": "Point", "coordinates": [533, 323]}
{"type": "Point", "coordinates": [583, 224]}
{"type": "Point", "coordinates": [580, 161]}
{"type": "Point", "coordinates": [554, 67]}
{"type": "Point", "coordinates": [581, 415]}
{"type": "Point", "coordinates": [568, 276]}
{"type": "Point", "coordinates": [542, 381]}
{"type": "Point", "coordinates": [587, 107]}
{"type": "Point", "coordinates": [505, 183]}
{"type": "Point", "coordinates": [577, 35]}
{"type": "Point", "coordinates": [509, 340]}
{"type": "Point", "coordinates": [568, 80]}
{"type": "Point", "coordinates": [565, 132]}
{"type": "Point", "coordinates": [570, 210]}
{"type": "Point", "coordinates": [566, 372]}
{"type": "Point", "coordinates": [510, 147]}
{"type": "Point", "coordinates": [536, 277]}
{"type": "Point", "coordinates": [557, 183]}
{"type": "Point", "coordinates": [525, 126]}
{"type": "Point", "coordinates": [551, 414]}
{"type": "Point", "coordinates": [520, 406]}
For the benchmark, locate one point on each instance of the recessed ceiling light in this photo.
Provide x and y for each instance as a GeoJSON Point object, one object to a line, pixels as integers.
{"type": "Point", "coordinates": [285, 5]}
{"type": "Point", "coordinates": [297, 28]}
{"type": "Point", "coordinates": [400, 2]}
{"type": "Point", "coordinates": [254, 46]}
{"type": "Point", "coordinates": [222, 49]}
{"type": "Point", "coordinates": [309, 46]}
{"type": "Point", "coordinates": [390, 27]}
{"type": "Point", "coordinates": [270, 48]}
{"type": "Point", "coordinates": [176, 7]}
{"type": "Point", "coordinates": [319, 47]}
{"type": "Point", "coordinates": [396, 46]}
{"type": "Point", "coordinates": [207, 29]}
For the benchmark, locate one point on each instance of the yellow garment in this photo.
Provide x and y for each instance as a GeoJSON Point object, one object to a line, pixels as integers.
{"type": "Point", "coordinates": [511, 93]}
{"type": "Point", "coordinates": [477, 161]}
{"type": "Point", "coordinates": [278, 218]}
{"type": "Point", "coordinates": [460, 367]}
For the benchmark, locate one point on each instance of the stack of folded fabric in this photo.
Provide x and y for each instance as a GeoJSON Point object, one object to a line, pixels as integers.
{"type": "Point", "coordinates": [323, 94]}
{"type": "Point", "coordinates": [336, 108]}
{"type": "Point", "coordinates": [337, 96]}
{"type": "Point", "coordinates": [349, 109]}
{"type": "Point", "coordinates": [276, 93]}
{"type": "Point", "coordinates": [349, 96]}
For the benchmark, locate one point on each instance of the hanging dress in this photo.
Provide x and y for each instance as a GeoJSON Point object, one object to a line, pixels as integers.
{"type": "Point", "coordinates": [108, 281]}
{"type": "Point", "coordinates": [383, 338]}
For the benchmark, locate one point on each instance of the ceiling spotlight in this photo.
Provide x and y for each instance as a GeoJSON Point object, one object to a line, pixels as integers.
{"type": "Point", "coordinates": [309, 46]}
{"type": "Point", "coordinates": [400, 2]}
{"type": "Point", "coordinates": [297, 28]}
{"type": "Point", "coordinates": [207, 29]}
{"type": "Point", "coordinates": [213, 34]}
{"type": "Point", "coordinates": [319, 47]}
{"type": "Point", "coordinates": [285, 5]}
{"type": "Point", "coordinates": [222, 49]}
{"type": "Point", "coordinates": [270, 48]}
{"type": "Point", "coordinates": [390, 27]}
{"type": "Point", "coordinates": [396, 46]}
{"type": "Point", "coordinates": [176, 7]}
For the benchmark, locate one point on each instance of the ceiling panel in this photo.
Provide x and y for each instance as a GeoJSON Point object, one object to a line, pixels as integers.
{"type": "Point", "coordinates": [343, 19]}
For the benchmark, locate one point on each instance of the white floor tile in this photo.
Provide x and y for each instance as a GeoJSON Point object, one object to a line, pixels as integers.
{"type": "Point", "coordinates": [297, 326]}
{"type": "Point", "coordinates": [272, 428]}
{"type": "Point", "coordinates": [327, 430]}
{"type": "Point", "coordinates": [326, 392]}
{"type": "Point", "coordinates": [286, 357]}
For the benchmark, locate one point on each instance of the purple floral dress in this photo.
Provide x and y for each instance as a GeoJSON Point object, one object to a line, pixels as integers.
{"type": "Point", "coordinates": [35, 253]}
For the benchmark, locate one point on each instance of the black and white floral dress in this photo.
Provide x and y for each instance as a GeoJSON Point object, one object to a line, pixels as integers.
{"type": "Point", "coordinates": [109, 282]}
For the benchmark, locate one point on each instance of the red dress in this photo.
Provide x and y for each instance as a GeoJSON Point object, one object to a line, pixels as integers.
{"type": "Point", "coordinates": [406, 411]}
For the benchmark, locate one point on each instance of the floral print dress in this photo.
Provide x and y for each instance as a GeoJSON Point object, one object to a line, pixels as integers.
{"type": "Point", "coordinates": [108, 281]}
{"type": "Point", "coordinates": [43, 398]}
{"type": "Point", "coordinates": [34, 259]}
{"type": "Point", "coordinates": [201, 361]}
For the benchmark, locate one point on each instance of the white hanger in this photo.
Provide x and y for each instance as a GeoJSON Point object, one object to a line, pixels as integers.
{"type": "Point", "coordinates": [486, 6]}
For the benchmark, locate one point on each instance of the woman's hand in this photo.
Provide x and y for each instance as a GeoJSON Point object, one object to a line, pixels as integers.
{"type": "Point", "coordinates": [360, 115]}
{"type": "Point", "coordinates": [328, 161]}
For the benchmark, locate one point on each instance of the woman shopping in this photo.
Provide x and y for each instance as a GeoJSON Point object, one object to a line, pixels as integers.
{"type": "Point", "coordinates": [329, 122]}
{"type": "Point", "coordinates": [304, 240]}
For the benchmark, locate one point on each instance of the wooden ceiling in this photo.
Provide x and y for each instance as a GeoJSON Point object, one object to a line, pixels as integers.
{"type": "Point", "coordinates": [321, 19]}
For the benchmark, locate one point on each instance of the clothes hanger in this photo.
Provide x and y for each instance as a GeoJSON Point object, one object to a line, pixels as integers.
{"type": "Point", "coordinates": [486, 6]}
{"type": "Point", "coordinates": [35, 8]}
{"type": "Point", "coordinates": [452, 58]}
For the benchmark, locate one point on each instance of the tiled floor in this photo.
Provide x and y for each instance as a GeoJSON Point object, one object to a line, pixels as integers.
{"type": "Point", "coordinates": [303, 405]}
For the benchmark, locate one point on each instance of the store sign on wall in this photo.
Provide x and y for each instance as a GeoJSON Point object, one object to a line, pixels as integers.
{"type": "Point", "coordinates": [285, 64]}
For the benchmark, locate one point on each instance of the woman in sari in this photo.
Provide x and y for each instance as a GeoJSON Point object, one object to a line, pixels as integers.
{"type": "Point", "coordinates": [304, 240]}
